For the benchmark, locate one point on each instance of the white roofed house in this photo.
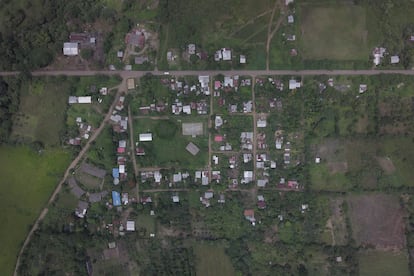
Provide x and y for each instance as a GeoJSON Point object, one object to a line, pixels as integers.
{"type": "Point", "coordinates": [145, 137]}
{"type": "Point", "coordinates": [85, 100]}
{"type": "Point", "coordinates": [70, 49]}
{"type": "Point", "coordinates": [226, 54]}
{"type": "Point", "coordinates": [293, 84]}
{"type": "Point", "coordinates": [242, 59]}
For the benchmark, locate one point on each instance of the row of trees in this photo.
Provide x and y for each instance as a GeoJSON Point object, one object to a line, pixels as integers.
{"type": "Point", "coordinates": [9, 104]}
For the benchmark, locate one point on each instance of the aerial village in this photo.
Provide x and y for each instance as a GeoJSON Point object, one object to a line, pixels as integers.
{"type": "Point", "coordinates": [224, 136]}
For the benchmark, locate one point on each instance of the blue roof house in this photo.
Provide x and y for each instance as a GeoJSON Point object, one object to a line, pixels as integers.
{"type": "Point", "coordinates": [115, 172]}
{"type": "Point", "coordinates": [116, 198]}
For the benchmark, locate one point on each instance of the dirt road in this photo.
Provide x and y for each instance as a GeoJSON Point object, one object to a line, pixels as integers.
{"type": "Point", "coordinates": [68, 171]}
{"type": "Point", "coordinates": [253, 73]}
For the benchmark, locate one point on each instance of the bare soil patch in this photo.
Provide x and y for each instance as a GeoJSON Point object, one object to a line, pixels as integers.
{"type": "Point", "coordinates": [377, 220]}
{"type": "Point", "coordinates": [338, 167]}
{"type": "Point", "coordinates": [332, 151]}
{"type": "Point", "coordinates": [337, 222]}
{"type": "Point", "coordinates": [386, 164]}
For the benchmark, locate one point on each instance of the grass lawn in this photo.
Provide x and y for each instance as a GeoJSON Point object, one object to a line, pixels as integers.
{"type": "Point", "coordinates": [28, 180]}
{"type": "Point", "coordinates": [171, 150]}
{"type": "Point", "coordinates": [322, 179]}
{"type": "Point", "coordinates": [383, 263]}
{"type": "Point", "coordinates": [212, 260]}
{"type": "Point", "coordinates": [333, 32]}
{"type": "Point", "coordinates": [400, 152]}
{"type": "Point", "coordinates": [42, 111]}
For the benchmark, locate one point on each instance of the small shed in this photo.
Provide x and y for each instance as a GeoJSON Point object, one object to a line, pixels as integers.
{"type": "Point", "coordinates": [130, 225]}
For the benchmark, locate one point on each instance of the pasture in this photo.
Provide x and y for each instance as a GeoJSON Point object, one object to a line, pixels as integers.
{"type": "Point", "coordinates": [378, 263]}
{"type": "Point", "coordinates": [28, 178]}
{"type": "Point", "coordinates": [333, 32]}
{"type": "Point", "coordinates": [212, 260]}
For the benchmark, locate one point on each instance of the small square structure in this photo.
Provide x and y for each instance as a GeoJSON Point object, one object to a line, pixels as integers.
{"type": "Point", "coordinates": [395, 59]}
{"type": "Point", "coordinates": [130, 225]}
{"type": "Point", "coordinates": [192, 148]}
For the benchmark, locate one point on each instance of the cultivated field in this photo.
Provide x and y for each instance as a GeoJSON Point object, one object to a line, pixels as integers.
{"type": "Point", "coordinates": [333, 32]}
{"type": "Point", "coordinates": [377, 263]}
{"type": "Point", "coordinates": [377, 220]}
{"type": "Point", "coordinates": [28, 180]}
{"type": "Point", "coordinates": [212, 260]}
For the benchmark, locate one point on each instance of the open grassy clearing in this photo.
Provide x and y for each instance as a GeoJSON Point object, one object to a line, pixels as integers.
{"type": "Point", "coordinates": [377, 263]}
{"type": "Point", "coordinates": [212, 260]}
{"type": "Point", "coordinates": [28, 180]}
{"type": "Point", "coordinates": [333, 32]}
{"type": "Point", "coordinates": [363, 164]}
{"type": "Point", "coordinates": [42, 111]}
{"type": "Point", "coordinates": [377, 220]}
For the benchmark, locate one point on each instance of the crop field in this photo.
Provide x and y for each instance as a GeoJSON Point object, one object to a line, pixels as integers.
{"type": "Point", "coordinates": [333, 32]}
{"type": "Point", "coordinates": [377, 220]}
{"type": "Point", "coordinates": [377, 263]}
{"type": "Point", "coordinates": [212, 260]}
{"type": "Point", "coordinates": [168, 147]}
{"type": "Point", "coordinates": [30, 178]}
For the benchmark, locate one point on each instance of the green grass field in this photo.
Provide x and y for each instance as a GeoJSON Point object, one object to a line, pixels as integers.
{"type": "Point", "coordinates": [212, 260]}
{"type": "Point", "coordinates": [170, 151]}
{"type": "Point", "coordinates": [333, 32]}
{"type": "Point", "coordinates": [377, 263]}
{"type": "Point", "coordinates": [42, 111]}
{"type": "Point", "coordinates": [27, 181]}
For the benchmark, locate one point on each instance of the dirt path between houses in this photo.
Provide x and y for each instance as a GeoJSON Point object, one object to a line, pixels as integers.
{"type": "Point", "coordinates": [132, 144]}
{"type": "Point", "coordinates": [68, 171]}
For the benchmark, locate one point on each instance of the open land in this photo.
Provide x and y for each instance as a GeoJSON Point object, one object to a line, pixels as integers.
{"type": "Point", "coordinates": [333, 32]}
{"type": "Point", "coordinates": [383, 263]}
{"type": "Point", "coordinates": [212, 260]}
{"type": "Point", "coordinates": [377, 220]}
{"type": "Point", "coordinates": [28, 179]}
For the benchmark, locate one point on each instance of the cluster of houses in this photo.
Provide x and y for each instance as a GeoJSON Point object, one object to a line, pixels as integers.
{"type": "Point", "coordinates": [119, 122]}
{"type": "Point", "coordinates": [180, 105]}
{"type": "Point", "coordinates": [84, 132]}
{"type": "Point", "coordinates": [378, 54]}
{"type": "Point", "coordinates": [228, 85]}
